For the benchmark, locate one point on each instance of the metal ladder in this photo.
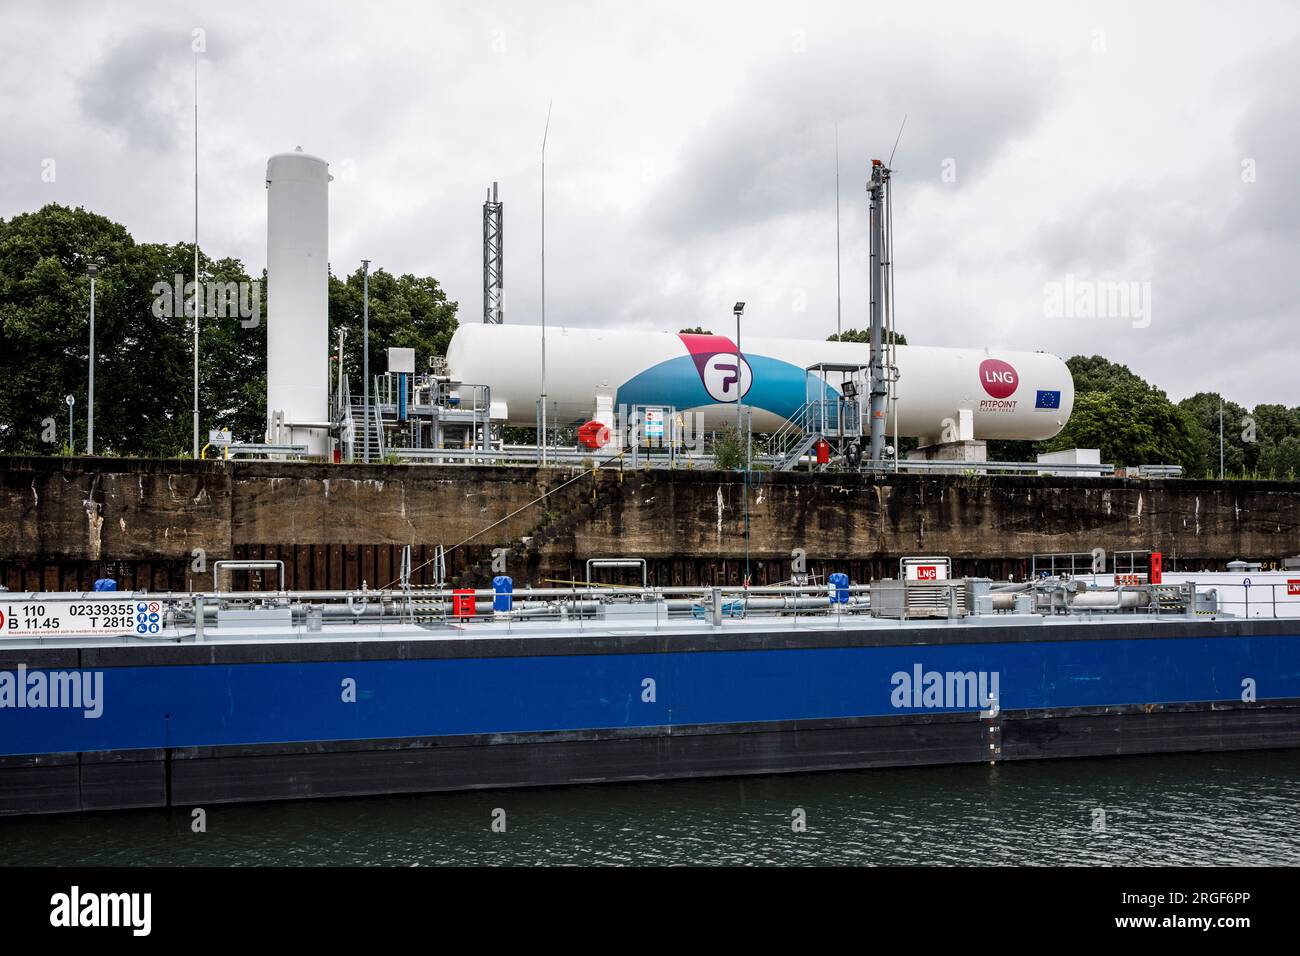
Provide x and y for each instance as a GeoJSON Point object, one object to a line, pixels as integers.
{"type": "Point", "coordinates": [369, 434]}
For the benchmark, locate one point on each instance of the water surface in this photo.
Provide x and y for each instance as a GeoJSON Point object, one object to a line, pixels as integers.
{"type": "Point", "coordinates": [1197, 809]}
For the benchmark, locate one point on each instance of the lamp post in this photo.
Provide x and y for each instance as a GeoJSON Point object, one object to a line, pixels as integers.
{"type": "Point", "coordinates": [92, 270]}
{"type": "Point", "coordinates": [338, 395]}
{"type": "Point", "coordinates": [365, 352]}
{"type": "Point", "coordinates": [198, 294]}
{"type": "Point", "coordinates": [1220, 437]}
{"type": "Point", "coordinates": [739, 309]}
{"type": "Point", "coordinates": [541, 431]}
{"type": "Point", "coordinates": [70, 400]}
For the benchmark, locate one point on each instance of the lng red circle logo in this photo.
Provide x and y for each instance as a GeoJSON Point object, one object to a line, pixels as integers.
{"type": "Point", "coordinates": [998, 378]}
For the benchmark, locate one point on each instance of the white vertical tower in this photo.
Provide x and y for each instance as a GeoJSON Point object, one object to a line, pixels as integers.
{"type": "Point", "coordinates": [297, 301]}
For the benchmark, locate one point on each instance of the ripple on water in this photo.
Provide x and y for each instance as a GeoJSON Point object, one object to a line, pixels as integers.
{"type": "Point", "coordinates": [1196, 809]}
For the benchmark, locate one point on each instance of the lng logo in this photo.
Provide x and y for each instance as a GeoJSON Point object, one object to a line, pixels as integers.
{"type": "Point", "coordinates": [998, 378]}
{"type": "Point", "coordinates": [75, 908]}
{"type": "Point", "coordinates": [715, 360]}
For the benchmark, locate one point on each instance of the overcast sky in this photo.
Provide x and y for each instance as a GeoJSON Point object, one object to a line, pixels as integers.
{"type": "Point", "coordinates": [691, 157]}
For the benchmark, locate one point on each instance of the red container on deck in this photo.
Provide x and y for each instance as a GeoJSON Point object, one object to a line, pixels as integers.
{"type": "Point", "coordinates": [462, 602]}
{"type": "Point", "coordinates": [823, 451]}
{"type": "Point", "coordinates": [1157, 567]}
{"type": "Point", "coordinates": [594, 434]}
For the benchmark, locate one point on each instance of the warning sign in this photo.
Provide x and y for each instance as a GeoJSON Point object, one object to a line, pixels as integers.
{"type": "Point", "coordinates": [71, 618]}
{"type": "Point", "coordinates": [654, 424]}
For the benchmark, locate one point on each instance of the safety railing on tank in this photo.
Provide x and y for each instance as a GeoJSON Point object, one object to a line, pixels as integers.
{"type": "Point", "coordinates": [1273, 604]}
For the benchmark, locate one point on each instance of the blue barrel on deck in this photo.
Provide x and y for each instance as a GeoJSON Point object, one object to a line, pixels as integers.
{"type": "Point", "coordinates": [504, 588]}
{"type": "Point", "coordinates": [839, 588]}
{"type": "Point", "coordinates": [105, 584]}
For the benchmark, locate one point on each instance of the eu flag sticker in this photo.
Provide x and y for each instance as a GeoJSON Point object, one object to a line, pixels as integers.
{"type": "Point", "coordinates": [1048, 399]}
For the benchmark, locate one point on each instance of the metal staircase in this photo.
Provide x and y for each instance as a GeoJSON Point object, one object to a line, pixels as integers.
{"type": "Point", "coordinates": [787, 446]}
{"type": "Point", "coordinates": [790, 434]}
{"type": "Point", "coordinates": [797, 451]}
{"type": "Point", "coordinates": [357, 441]}
{"type": "Point", "coordinates": [369, 440]}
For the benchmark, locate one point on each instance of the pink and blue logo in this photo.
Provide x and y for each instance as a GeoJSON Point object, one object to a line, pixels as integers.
{"type": "Point", "coordinates": [709, 374]}
{"type": "Point", "coordinates": [720, 365]}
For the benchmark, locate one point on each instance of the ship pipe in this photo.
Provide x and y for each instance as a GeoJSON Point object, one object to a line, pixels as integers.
{"type": "Point", "coordinates": [1111, 599]}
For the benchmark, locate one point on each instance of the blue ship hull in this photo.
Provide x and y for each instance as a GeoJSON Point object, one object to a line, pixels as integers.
{"type": "Point", "coordinates": [187, 723]}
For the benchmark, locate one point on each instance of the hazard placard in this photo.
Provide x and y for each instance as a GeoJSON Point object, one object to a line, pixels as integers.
{"type": "Point", "coordinates": [39, 618]}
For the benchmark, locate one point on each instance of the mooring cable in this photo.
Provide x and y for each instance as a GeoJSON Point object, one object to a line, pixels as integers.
{"type": "Point", "coordinates": [446, 551]}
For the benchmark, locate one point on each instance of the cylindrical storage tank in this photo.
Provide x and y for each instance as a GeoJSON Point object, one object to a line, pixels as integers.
{"type": "Point", "coordinates": [1009, 395]}
{"type": "Point", "coordinates": [297, 300]}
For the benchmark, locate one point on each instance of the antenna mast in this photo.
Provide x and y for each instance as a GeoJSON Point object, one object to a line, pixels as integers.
{"type": "Point", "coordinates": [839, 323]}
{"type": "Point", "coordinates": [197, 294]}
{"type": "Point", "coordinates": [493, 260]}
{"type": "Point", "coordinates": [541, 435]}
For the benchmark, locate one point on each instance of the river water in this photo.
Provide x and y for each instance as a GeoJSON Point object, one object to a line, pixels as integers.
{"type": "Point", "coordinates": [1198, 809]}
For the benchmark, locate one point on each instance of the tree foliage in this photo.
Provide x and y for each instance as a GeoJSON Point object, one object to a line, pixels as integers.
{"type": "Point", "coordinates": [1262, 443]}
{"type": "Point", "coordinates": [1131, 421]}
{"type": "Point", "coordinates": [143, 360]}
{"type": "Point", "coordinates": [406, 311]}
{"type": "Point", "coordinates": [864, 336]}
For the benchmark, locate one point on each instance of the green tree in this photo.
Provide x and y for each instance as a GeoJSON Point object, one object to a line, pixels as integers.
{"type": "Point", "coordinates": [1132, 423]}
{"type": "Point", "coordinates": [729, 449]}
{"type": "Point", "coordinates": [1264, 435]}
{"type": "Point", "coordinates": [405, 312]}
{"type": "Point", "coordinates": [864, 336]}
{"type": "Point", "coordinates": [44, 317]}
{"type": "Point", "coordinates": [1093, 373]}
{"type": "Point", "coordinates": [143, 342]}
{"type": "Point", "coordinates": [1203, 410]}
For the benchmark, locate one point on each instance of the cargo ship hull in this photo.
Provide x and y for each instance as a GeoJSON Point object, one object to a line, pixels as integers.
{"type": "Point", "coordinates": [189, 724]}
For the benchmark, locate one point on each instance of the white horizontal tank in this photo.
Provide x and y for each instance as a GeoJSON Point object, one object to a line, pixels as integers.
{"type": "Point", "coordinates": [297, 300]}
{"type": "Point", "coordinates": [1009, 395]}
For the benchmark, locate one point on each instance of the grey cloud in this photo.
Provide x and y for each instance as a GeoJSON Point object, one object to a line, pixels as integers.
{"type": "Point", "coordinates": [1268, 135]}
{"type": "Point", "coordinates": [417, 114]}
{"type": "Point", "coordinates": [772, 153]}
{"type": "Point", "coordinates": [132, 88]}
